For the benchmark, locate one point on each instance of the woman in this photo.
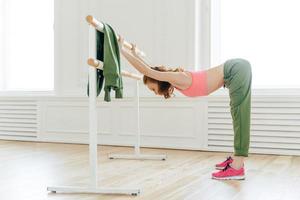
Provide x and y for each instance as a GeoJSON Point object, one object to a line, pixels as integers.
{"type": "Point", "coordinates": [234, 74]}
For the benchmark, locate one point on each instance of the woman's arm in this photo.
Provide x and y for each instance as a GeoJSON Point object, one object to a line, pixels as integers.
{"type": "Point", "coordinates": [144, 68]}
{"type": "Point", "coordinates": [136, 55]}
{"type": "Point", "coordinates": [136, 63]}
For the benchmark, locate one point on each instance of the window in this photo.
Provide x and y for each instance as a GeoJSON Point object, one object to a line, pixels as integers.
{"type": "Point", "coordinates": [264, 32]}
{"type": "Point", "coordinates": [27, 45]}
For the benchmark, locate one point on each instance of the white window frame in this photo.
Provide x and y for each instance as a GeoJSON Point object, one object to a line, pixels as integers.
{"type": "Point", "coordinates": [210, 46]}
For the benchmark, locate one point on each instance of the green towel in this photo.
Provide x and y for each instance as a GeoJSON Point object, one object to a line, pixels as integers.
{"type": "Point", "coordinates": [111, 64]}
{"type": "Point", "coordinates": [108, 52]}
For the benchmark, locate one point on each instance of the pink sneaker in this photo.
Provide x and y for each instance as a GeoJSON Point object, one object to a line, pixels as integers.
{"type": "Point", "coordinates": [229, 173]}
{"type": "Point", "coordinates": [223, 164]}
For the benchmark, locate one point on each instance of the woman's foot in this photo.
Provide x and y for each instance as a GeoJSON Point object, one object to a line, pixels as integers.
{"type": "Point", "coordinates": [238, 162]}
{"type": "Point", "coordinates": [223, 164]}
{"type": "Point", "coordinates": [229, 173]}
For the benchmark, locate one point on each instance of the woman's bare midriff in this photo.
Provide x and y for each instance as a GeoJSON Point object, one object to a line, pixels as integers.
{"type": "Point", "coordinates": [215, 78]}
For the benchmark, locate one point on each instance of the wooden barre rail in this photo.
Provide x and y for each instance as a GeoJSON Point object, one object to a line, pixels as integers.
{"type": "Point", "coordinates": [97, 64]}
{"type": "Point", "coordinates": [99, 26]}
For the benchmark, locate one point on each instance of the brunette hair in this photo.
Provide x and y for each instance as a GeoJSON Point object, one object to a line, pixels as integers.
{"type": "Point", "coordinates": [164, 88]}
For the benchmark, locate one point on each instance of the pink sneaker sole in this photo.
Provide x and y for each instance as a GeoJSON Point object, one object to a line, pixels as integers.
{"type": "Point", "coordinates": [230, 178]}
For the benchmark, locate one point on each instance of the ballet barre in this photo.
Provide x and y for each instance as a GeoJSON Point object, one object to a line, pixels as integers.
{"type": "Point", "coordinates": [93, 157]}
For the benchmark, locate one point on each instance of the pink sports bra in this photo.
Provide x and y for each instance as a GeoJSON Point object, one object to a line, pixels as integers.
{"type": "Point", "coordinates": [198, 86]}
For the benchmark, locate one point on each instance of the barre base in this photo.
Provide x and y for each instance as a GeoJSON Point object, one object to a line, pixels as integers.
{"type": "Point", "coordinates": [100, 190]}
{"type": "Point", "coordinates": [137, 156]}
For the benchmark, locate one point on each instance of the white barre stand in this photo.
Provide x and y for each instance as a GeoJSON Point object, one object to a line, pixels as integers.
{"type": "Point", "coordinates": [137, 154]}
{"type": "Point", "coordinates": [93, 188]}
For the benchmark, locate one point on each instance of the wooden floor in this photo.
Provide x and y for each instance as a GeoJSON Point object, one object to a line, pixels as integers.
{"type": "Point", "coordinates": [27, 168]}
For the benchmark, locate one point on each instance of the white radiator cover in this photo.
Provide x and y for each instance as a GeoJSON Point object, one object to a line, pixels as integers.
{"type": "Point", "coordinates": [181, 123]}
{"type": "Point", "coordinates": [275, 125]}
{"type": "Point", "coordinates": [18, 118]}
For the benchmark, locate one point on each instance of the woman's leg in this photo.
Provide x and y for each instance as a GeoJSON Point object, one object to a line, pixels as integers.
{"type": "Point", "coordinates": [238, 78]}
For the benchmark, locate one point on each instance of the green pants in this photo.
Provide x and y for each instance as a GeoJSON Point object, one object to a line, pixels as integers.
{"type": "Point", "coordinates": [238, 78]}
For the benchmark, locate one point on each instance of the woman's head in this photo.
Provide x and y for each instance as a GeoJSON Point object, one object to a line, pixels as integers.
{"type": "Point", "coordinates": [160, 87]}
